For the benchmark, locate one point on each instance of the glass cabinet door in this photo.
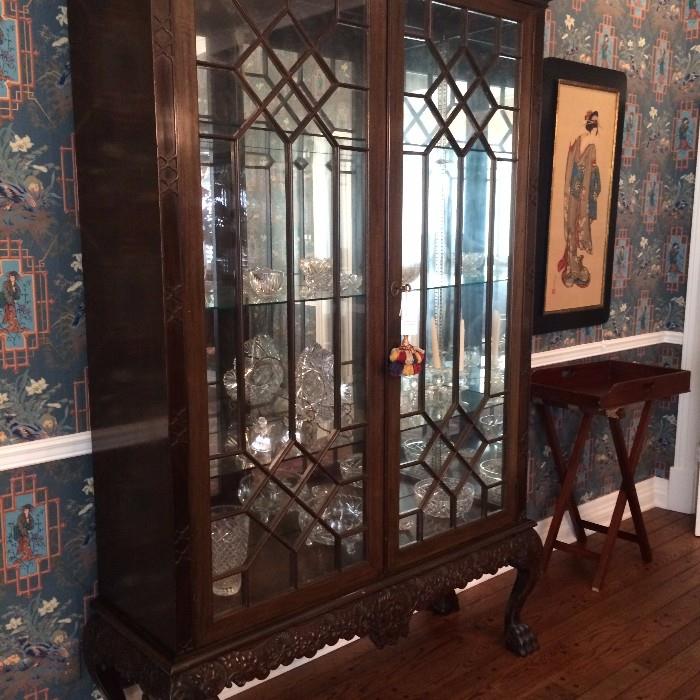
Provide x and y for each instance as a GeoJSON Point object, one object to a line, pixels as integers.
{"type": "Point", "coordinates": [283, 122]}
{"type": "Point", "coordinates": [460, 113]}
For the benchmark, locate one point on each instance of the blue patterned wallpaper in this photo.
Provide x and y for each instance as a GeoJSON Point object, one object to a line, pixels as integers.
{"type": "Point", "coordinates": [42, 340]}
{"type": "Point", "coordinates": [657, 44]}
{"type": "Point", "coordinates": [47, 578]}
{"type": "Point", "coordinates": [47, 569]}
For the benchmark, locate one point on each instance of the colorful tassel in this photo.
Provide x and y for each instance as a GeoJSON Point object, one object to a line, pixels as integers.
{"type": "Point", "coordinates": [406, 360]}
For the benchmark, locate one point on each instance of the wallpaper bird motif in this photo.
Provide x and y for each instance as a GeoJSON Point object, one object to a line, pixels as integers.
{"type": "Point", "coordinates": [47, 557]}
{"type": "Point", "coordinates": [42, 339]}
{"type": "Point", "coordinates": [656, 43]}
{"type": "Point", "coordinates": [47, 579]}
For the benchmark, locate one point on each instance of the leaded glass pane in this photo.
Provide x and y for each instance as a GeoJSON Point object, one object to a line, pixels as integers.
{"type": "Point", "coordinates": [458, 167]}
{"type": "Point", "coordinates": [283, 106]}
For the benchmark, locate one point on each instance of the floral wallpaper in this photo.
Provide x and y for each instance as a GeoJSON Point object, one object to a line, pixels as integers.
{"type": "Point", "coordinates": [43, 389]}
{"type": "Point", "coordinates": [47, 558]}
{"type": "Point", "coordinates": [657, 44]}
{"type": "Point", "coordinates": [47, 578]}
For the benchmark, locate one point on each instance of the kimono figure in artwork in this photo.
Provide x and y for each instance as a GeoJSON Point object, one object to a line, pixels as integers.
{"type": "Point", "coordinates": [674, 259]}
{"type": "Point", "coordinates": [582, 187]}
{"type": "Point", "coordinates": [23, 527]}
{"type": "Point", "coordinates": [605, 52]}
{"type": "Point", "coordinates": [12, 293]}
{"type": "Point", "coordinates": [684, 135]}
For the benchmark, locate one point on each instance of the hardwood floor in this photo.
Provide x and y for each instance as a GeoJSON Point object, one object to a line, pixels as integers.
{"type": "Point", "coordinates": [638, 639]}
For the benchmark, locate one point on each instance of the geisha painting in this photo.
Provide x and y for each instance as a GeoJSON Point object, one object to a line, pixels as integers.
{"type": "Point", "coordinates": [576, 231]}
{"type": "Point", "coordinates": [580, 211]}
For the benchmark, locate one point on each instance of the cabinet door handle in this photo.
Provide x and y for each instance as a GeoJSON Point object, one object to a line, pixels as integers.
{"type": "Point", "coordinates": [397, 288]}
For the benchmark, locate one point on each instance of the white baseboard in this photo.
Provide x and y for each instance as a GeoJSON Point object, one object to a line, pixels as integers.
{"type": "Point", "coordinates": [652, 494]}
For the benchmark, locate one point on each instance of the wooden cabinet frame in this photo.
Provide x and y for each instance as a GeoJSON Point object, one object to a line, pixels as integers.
{"type": "Point", "coordinates": [135, 99]}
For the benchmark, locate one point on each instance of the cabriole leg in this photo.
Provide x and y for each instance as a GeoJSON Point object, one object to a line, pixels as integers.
{"type": "Point", "coordinates": [520, 639]}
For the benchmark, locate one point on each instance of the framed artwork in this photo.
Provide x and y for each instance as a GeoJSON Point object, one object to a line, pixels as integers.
{"type": "Point", "coordinates": [582, 130]}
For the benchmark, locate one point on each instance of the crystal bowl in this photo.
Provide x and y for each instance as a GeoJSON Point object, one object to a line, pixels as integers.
{"type": "Point", "coordinates": [271, 498]}
{"type": "Point", "coordinates": [438, 505]}
{"type": "Point", "coordinates": [266, 283]}
{"type": "Point", "coordinates": [352, 467]}
{"type": "Point", "coordinates": [318, 274]}
{"type": "Point", "coordinates": [490, 473]}
{"type": "Point", "coordinates": [342, 513]}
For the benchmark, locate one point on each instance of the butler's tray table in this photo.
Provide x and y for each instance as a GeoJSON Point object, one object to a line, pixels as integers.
{"type": "Point", "coordinates": [601, 388]}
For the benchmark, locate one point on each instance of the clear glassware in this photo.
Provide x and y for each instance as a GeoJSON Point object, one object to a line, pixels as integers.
{"type": "Point", "coordinates": [352, 467]}
{"type": "Point", "coordinates": [490, 471]}
{"type": "Point", "coordinates": [266, 284]}
{"type": "Point", "coordinates": [271, 498]}
{"type": "Point", "coordinates": [315, 368]}
{"type": "Point", "coordinates": [229, 549]}
{"type": "Point", "coordinates": [317, 274]}
{"type": "Point", "coordinates": [260, 440]}
{"type": "Point", "coordinates": [438, 505]}
{"type": "Point", "coordinates": [343, 513]}
{"type": "Point", "coordinates": [264, 372]}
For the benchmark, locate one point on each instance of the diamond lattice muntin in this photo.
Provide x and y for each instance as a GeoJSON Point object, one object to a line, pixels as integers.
{"type": "Point", "coordinates": [460, 118]}
{"type": "Point", "coordinates": [287, 466]}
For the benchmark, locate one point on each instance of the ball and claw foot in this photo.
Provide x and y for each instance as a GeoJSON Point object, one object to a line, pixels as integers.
{"type": "Point", "coordinates": [520, 639]}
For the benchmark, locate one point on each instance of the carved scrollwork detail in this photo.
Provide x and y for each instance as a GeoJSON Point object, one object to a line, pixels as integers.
{"type": "Point", "coordinates": [106, 650]}
{"type": "Point", "coordinates": [384, 616]}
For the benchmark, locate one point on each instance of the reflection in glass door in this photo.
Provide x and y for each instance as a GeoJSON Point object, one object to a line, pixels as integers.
{"type": "Point", "coordinates": [459, 144]}
{"type": "Point", "coordinates": [283, 102]}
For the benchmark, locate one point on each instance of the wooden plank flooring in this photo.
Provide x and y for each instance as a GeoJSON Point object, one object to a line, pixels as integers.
{"type": "Point", "coordinates": [638, 639]}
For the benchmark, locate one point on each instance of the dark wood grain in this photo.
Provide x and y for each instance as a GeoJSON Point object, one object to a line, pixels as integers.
{"type": "Point", "coordinates": [597, 386]}
{"type": "Point", "coordinates": [137, 134]}
{"type": "Point", "coordinates": [585, 638]}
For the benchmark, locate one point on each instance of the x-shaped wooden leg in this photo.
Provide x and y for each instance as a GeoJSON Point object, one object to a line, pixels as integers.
{"type": "Point", "coordinates": [567, 476]}
{"type": "Point", "coordinates": [628, 492]}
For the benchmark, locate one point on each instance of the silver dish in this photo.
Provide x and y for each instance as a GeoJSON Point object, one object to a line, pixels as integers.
{"type": "Point", "coordinates": [264, 372]}
{"type": "Point", "coordinates": [314, 376]}
{"type": "Point", "coordinates": [438, 505]}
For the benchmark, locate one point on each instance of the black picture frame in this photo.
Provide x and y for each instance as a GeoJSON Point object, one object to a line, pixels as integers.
{"type": "Point", "coordinates": [555, 72]}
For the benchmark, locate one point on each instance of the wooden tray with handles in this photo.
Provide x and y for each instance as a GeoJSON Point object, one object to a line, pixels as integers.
{"type": "Point", "coordinates": [608, 384]}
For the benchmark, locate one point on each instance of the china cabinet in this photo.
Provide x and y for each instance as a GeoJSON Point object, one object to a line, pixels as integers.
{"type": "Point", "coordinates": [272, 194]}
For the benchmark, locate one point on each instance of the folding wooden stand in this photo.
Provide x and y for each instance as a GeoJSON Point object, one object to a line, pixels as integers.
{"type": "Point", "coordinates": [601, 388]}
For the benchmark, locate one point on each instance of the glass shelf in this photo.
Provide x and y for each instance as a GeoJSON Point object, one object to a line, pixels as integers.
{"type": "Point", "coordinates": [284, 200]}
{"type": "Point", "coordinates": [283, 301]}
{"type": "Point", "coordinates": [459, 137]}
